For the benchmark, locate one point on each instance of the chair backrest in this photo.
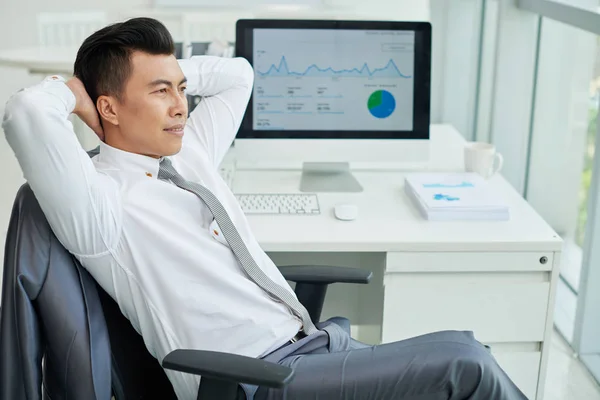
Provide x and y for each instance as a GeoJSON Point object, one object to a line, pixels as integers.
{"type": "Point", "coordinates": [68, 28]}
{"type": "Point", "coordinates": [53, 309]}
{"type": "Point", "coordinates": [135, 373]}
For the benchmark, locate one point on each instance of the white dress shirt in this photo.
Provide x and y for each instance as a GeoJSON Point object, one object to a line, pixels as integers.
{"type": "Point", "coordinates": [151, 245]}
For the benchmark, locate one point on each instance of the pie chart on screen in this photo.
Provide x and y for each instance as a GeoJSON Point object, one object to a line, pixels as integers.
{"type": "Point", "coordinates": [381, 104]}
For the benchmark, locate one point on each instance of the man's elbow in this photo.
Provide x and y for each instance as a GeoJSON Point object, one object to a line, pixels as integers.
{"type": "Point", "coordinates": [23, 105]}
{"type": "Point", "coordinates": [246, 71]}
{"type": "Point", "coordinates": [19, 109]}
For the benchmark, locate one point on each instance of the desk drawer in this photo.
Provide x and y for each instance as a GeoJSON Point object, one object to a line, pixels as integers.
{"type": "Point", "coordinates": [497, 307]}
{"type": "Point", "coordinates": [523, 369]}
{"type": "Point", "coordinates": [468, 261]}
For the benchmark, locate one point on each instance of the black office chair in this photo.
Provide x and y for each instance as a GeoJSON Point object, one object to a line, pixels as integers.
{"type": "Point", "coordinates": [60, 330]}
{"type": "Point", "coordinates": [178, 50]}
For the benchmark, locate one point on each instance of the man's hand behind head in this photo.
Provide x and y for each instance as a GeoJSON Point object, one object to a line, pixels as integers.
{"type": "Point", "coordinates": [85, 109]}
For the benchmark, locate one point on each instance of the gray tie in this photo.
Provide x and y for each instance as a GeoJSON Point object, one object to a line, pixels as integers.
{"type": "Point", "coordinates": [167, 172]}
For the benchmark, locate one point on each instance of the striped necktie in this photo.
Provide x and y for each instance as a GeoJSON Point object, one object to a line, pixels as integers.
{"type": "Point", "coordinates": [168, 173]}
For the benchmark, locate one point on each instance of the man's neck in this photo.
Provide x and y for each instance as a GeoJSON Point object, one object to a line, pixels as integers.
{"type": "Point", "coordinates": [116, 139]}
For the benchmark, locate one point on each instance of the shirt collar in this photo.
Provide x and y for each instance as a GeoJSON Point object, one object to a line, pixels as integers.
{"type": "Point", "coordinates": [126, 161]}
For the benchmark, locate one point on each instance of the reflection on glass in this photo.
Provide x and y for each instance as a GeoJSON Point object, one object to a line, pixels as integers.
{"type": "Point", "coordinates": [589, 148]}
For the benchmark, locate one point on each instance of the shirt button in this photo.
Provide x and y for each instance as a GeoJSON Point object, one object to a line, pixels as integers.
{"type": "Point", "coordinates": [148, 174]}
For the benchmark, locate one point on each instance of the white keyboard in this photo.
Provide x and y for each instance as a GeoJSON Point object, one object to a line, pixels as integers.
{"type": "Point", "coordinates": [297, 204]}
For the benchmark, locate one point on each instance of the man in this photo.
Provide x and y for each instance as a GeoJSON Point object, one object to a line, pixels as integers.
{"type": "Point", "coordinates": [154, 241]}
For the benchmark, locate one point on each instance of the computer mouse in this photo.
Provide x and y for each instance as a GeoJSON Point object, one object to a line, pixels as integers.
{"type": "Point", "coordinates": [345, 212]}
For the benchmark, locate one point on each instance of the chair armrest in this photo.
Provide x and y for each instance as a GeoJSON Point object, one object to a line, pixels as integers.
{"type": "Point", "coordinates": [229, 367]}
{"type": "Point", "coordinates": [325, 274]}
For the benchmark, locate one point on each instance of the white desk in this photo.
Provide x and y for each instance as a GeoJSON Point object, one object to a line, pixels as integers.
{"type": "Point", "coordinates": [495, 278]}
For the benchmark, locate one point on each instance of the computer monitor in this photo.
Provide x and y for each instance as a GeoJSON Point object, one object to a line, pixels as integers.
{"type": "Point", "coordinates": [331, 95]}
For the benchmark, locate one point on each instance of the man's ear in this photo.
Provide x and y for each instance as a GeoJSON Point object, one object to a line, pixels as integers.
{"type": "Point", "coordinates": [108, 109]}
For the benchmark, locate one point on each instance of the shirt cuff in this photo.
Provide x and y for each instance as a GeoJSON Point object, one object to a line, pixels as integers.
{"type": "Point", "coordinates": [55, 85]}
{"type": "Point", "coordinates": [190, 71]}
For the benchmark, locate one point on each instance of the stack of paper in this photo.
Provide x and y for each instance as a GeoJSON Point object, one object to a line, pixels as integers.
{"type": "Point", "coordinates": [455, 196]}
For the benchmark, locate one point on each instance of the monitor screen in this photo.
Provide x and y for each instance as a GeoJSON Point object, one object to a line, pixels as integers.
{"type": "Point", "coordinates": [336, 79]}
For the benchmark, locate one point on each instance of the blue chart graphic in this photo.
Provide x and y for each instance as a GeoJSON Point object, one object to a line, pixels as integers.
{"type": "Point", "coordinates": [463, 184]}
{"type": "Point", "coordinates": [389, 71]}
{"type": "Point", "coordinates": [381, 104]}
{"type": "Point", "coordinates": [447, 197]}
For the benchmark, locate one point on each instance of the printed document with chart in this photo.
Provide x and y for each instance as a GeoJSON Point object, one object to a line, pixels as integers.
{"type": "Point", "coordinates": [455, 196]}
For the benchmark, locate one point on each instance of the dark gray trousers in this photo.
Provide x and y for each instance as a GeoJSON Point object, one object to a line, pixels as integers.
{"type": "Point", "coordinates": [447, 365]}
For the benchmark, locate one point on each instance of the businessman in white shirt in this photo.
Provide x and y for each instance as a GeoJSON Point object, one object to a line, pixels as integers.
{"type": "Point", "coordinates": [158, 250]}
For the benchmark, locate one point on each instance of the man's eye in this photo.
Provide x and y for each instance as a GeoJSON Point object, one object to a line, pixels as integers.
{"type": "Point", "coordinates": [162, 90]}
{"type": "Point", "coordinates": [183, 89]}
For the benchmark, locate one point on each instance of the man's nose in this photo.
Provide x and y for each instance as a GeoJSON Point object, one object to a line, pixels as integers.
{"type": "Point", "coordinates": [180, 105]}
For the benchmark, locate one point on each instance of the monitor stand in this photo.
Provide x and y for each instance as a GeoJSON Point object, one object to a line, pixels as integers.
{"type": "Point", "coordinates": [328, 177]}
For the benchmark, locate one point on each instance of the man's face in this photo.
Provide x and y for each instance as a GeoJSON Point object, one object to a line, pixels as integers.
{"type": "Point", "coordinates": [153, 108]}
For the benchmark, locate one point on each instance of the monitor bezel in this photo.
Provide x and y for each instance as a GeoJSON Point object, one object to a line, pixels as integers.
{"type": "Point", "coordinates": [422, 77]}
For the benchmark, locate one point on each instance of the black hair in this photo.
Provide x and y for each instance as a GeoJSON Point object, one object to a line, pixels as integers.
{"type": "Point", "coordinates": [103, 60]}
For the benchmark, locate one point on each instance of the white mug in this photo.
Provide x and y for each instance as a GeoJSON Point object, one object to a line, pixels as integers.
{"type": "Point", "coordinates": [483, 159]}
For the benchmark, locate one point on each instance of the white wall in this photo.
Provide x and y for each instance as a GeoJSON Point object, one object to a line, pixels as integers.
{"type": "Point", "coordinates": [513, 85]}
{"type": "Point", "coordinates": [455, 53]}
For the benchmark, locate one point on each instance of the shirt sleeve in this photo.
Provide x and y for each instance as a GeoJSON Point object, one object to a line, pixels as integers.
{"type": "Point", "coordinates": [81, 205]}
{"type": "Point", "coordinates": [225, 85]}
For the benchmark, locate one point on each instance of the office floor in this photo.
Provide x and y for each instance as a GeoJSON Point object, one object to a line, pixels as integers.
{"type": "Point", "coordinates": [567, 378]}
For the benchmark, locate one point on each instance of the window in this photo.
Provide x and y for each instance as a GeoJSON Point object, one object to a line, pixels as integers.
{"type": "Point", "coordinates": [563, 173]}
{"type": "Point", "coordinates": [563, 135]}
